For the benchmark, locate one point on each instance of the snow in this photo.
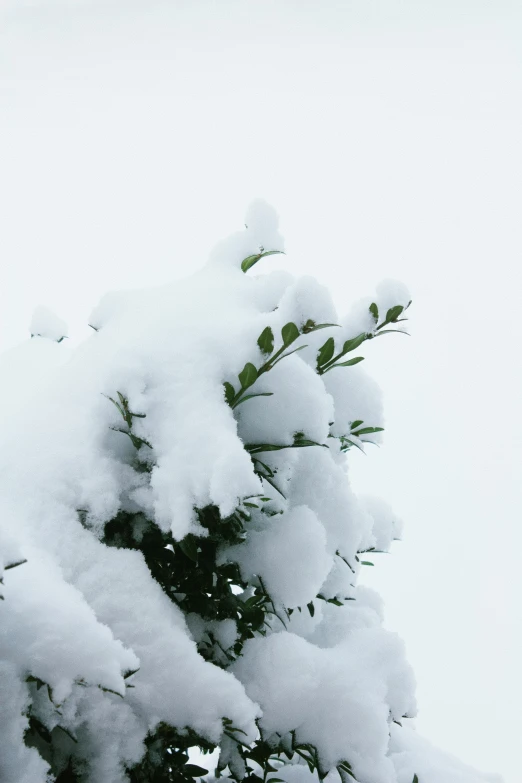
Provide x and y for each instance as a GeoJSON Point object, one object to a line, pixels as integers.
{"type": "Point", "coordinates": [386, 526]}
{"type": "Point", "coordinates": [320, 483]}
{"type": "Point", "coordinates": [289, 554]}
{"type": "Point", "coordinates": [45, 323]}
{"type": "Point", "coordinates": [261, 234]}
{"type": "Point", "coordinates": [78, 616]}
{"type": "Point", "coordinates": [35, 618]}
{"type": "Point", "coordinates": [300, 405]}
{"type": "Point", "coordinates": [297, 773]}
{"type": "Point", "coordinates": [410, 752]}
{"type": "Point", "coordinates": [388, 294]}
{"type": "Point", "coordinates": [339, 698]}
{"type": "Point", "coordinates": [356, 397]}
{"type": "Point", "coordinates": [18, 763]}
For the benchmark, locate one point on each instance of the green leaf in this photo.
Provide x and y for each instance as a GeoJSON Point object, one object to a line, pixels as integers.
{"type": "Point", "coordinates": [66, 731]}
{"type": "Point", "coordinates": [266, 467]}
{"type": "Point", "coordinates": [267, 476]}
{"type": "Point", "coordinates": [247, 376]}
{"type": "Point", "coordinates": [326, 352]}
{"type": "Point", "coordinates": [348, 440]}
{"type": "Point", "coordinates": [39, 683]}
{"type": "Point", "coordinates": [129, 673]}
{"type": "Point", "coordinates": [289, 333]}
{"type": "Point", "coordinates": [136, 441]}
{"type": "Point", "coordinates": [253, 448]}
{"type": "Point", "coordinates": [253, 601]}
{"type": "Point", "coordinates": [311, 608]}
{"type": "Point", "coordinates": [345, 767]}
{"type": "Point", "coordinates": [393, 313]}
{"type": "Point", "coordinates": [266, 341]}
{"type": "Point", "coordinates": [194, 771]}
{"type": "Point", "coordinates": [356, 424]}
{"type": "Point", "coordinates": [41, 730]}
{"type": "Point", "coordinates": [189, 547]}
{"type": "Point", "coordinates": [389, 331]}
{"type": "Point", "coordinates": [122, 412]}
{"type": "Point", "coordinates": [14, 565]}
{"type": "Point", "coordinates": [324, 326]}
{"type": "Point", "coordinates": [250, 396]}
{"type": "Point", "coordinates": [230, 392]}
{"type": "Point", "coordinates": [249, 261]}
{"type": "Point", "coordinates": [351, 345]}
{"type": "Point", "coordinates": [349, 363]}
{"type": "Point", "coordinates": [108, 690]}
{"type": "Point", "coordinates": [302, 442]}
{"type": "Point", "coordinates": [368, 431]}
{"type": "Point", "coordinates": [345, 561]}
{"type": "Point", "coordinates": [415, 779]}
{"type": "Point", "coordinates": [367, 562]}
{"type": "Point", "coordinates": [374, 310]}
{"type": "Point", "coordinates": [272, 483]}
{"type": "Point", "coordinates": [311, 326]}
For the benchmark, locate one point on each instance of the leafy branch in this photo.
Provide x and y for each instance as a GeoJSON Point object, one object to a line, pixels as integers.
{"type": "Point", "coordinates": [128, 416]}
{"type": "Point", "coordinates": [250, 373]}
{"type": "Point", "coordinates": [327, 359]}
{"type": "Point", "coordinates": [354, 436]}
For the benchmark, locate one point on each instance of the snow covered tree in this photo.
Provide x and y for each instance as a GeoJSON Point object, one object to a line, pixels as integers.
{"type": "Point", "coordinates": [182, 547]}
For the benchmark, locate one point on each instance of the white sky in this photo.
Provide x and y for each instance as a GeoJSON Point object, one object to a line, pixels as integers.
{"type": "Point", "coordinates": [388, 136]}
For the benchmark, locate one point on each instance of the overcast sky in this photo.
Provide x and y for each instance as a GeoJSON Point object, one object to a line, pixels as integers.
{"type": "Point", "coordinates": [388, 136]}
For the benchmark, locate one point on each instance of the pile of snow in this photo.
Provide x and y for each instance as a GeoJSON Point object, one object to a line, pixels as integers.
{"type": "Point", "coordinates": [79, 616]}
{"type": "Point", "coordinates": [45, 323]}
{"type": "Point", "coordinates": [410, 752]}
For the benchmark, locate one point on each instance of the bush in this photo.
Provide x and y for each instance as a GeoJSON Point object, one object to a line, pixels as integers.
{"type": "Point", "coordinates": [187, 544]}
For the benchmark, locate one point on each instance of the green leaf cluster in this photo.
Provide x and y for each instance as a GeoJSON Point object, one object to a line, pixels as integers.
{"type": "Point", "coordinates": [128, 417]}
{"type": "Point", "coordinates": [265, 342]}
{"type": "Point", "coordinates": [393, 316]}
{"type": "Point", "coordinates": [355, 435]}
